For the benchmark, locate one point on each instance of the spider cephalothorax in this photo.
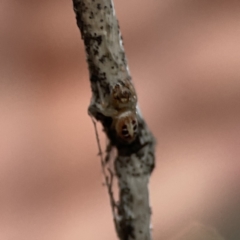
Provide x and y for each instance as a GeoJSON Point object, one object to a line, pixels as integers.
{"type": "Point", "coordinates": [123, 96]}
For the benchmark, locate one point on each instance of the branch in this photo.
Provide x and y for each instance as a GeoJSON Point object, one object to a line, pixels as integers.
{"type": "Point", "coordinates": [114, 104]}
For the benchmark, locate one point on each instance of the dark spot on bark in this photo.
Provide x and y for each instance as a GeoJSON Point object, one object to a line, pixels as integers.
{"type": "Point", "coordinates": [94, 78]}
{"type": "Point", "coordinates": [99, 6]}
{"type": "Point", "coordinates": [99, 40]}
{"type": "Point", "coordinates": [95, 52]}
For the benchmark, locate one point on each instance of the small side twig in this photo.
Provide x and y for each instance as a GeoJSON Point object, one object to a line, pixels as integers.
{"type": "Point", "coordinates": [108, 178]}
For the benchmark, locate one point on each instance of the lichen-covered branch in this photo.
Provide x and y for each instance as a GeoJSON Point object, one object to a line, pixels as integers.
{"type": "Point", "coordinates": [114, 104]}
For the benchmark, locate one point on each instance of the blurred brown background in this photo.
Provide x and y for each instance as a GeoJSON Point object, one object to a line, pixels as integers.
{"type": "Point", "coordinates": [184, 57]}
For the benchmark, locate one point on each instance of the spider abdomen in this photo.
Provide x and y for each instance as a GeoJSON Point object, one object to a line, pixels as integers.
{"type": "Point", "coordinates": [126, 126]}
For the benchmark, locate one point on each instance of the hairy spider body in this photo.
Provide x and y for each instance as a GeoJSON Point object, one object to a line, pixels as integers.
{"type": "Point", "coordinates": [123, 96]}
{"type": "Point", "coordinates": [120, 105]}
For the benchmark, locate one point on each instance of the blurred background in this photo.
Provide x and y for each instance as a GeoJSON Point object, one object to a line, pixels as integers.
{"type": "Point", "coordinates": [184, 57]}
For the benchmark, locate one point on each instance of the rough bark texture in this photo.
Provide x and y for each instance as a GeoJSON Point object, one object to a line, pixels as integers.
{"type": "Point", "coordinates": [134, 161]}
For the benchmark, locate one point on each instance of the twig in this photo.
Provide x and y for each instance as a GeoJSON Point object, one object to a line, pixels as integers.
{"type": "Point", "coordinates": [135, 157]}
{"type": "Point", "coordinates": [108, 178]}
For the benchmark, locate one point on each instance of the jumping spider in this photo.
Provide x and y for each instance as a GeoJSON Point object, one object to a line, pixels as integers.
{"type": "Point", "coordinates": [120, 105]}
